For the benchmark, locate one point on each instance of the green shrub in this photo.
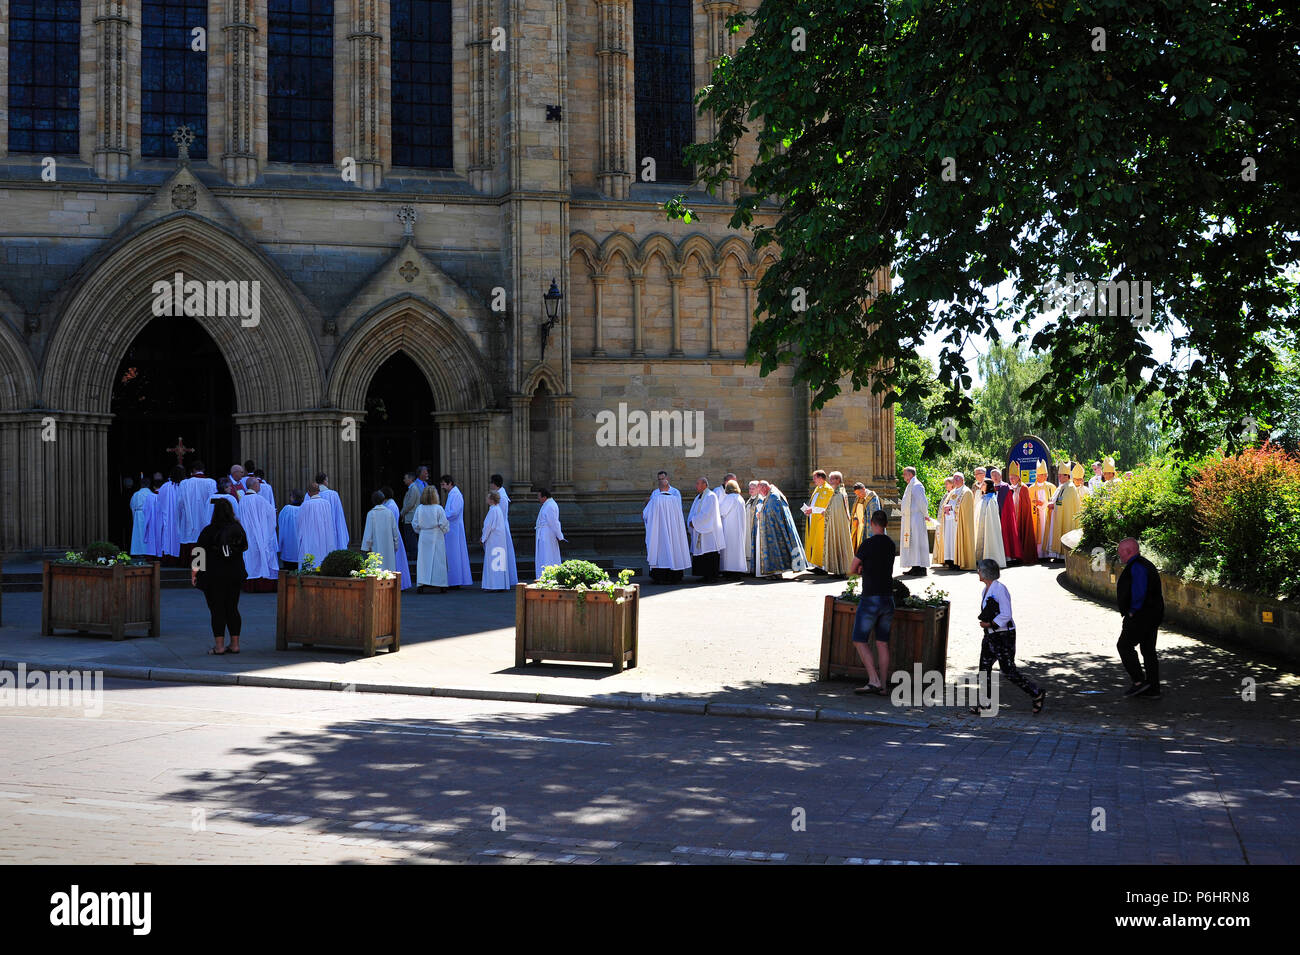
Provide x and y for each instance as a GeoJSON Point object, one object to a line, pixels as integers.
{"type": "Point", "coordinates": [341, 563]}
{"type": "Point", "coordinates": [103, 549]}
{"type": "Point", "coordinates": [1154, 506]}
{"type": "Point", "coordinates": [1247, 511]}
{"type": "Point", "coordinates": [571, 573]}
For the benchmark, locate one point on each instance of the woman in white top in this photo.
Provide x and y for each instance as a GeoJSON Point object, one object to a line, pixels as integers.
{"type": "Point", "coordinates": [496, 575]}
{"type": "Point", "coordinates": [430, 522]}
{"type": "Point", "coordinates": [999, 640]}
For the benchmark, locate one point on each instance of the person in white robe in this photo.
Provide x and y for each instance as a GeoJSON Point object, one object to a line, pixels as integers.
{"type": "Point", "coordinates": [731, 508]}
{"type": "Point", "coordinates": [493, 539]}
{"type": "Point", "coordinates": [195, 503]}
{"type": "Point", "coordinates": [706, 538]}
{"type": "Point", "coordinates": [226, 491]}
{"type": "Point", "coordinates": [267, 491]}
{"type": "Point", "coordinates": [431, 525]}
{"type": "Point", "coordinates": [988, 527]}
{"type": "Point", "coordinates": [915, 550]}
{"type": "Point", "coordinates": [315, 527]}
{"type": "Point", "coordinates": [458, 572]}
{"type": "Point", "coordinates": [381, 535]}
{"type": "Point", "coordinates": [667, 548]}
{"type": "Point", "coordinates": [258, 517]}
{"type": "Point", "coordinates": [403, 563]}
{"type": "Point", "coordinates": [721, 489]}
{"type": "Point", "coordinates": [512, 568]}
{"type": "Point", "coordinates": [342, 537]}
{"type": "Point", "coordinates": [546, 534]}
{"type": "Point", "coordinates": [143, 507]}
{"type": "Point", "coordinates": [947, 524]}
{"type": "Point", "coordinates": [167, 509]}
{"type": "Point", "coordinates": [288, 525]}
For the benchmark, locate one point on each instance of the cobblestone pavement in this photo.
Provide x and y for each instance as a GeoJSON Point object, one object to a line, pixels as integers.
{"type": "Point", "coordinates": [184, 773]}
{"type": "Point", "coordinates": [743, 642]}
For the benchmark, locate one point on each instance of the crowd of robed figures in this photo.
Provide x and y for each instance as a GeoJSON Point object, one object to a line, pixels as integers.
{"type": "Point", "coordinates": [170, 515]}
{"type": "Point", "coordinates": [725, 533]}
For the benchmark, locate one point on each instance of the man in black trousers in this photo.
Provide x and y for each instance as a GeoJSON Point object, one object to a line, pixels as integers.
{"type": "Point", "coordinates": [1142, 605]}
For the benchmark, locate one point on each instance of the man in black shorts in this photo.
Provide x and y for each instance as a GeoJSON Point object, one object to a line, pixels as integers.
{"type": "Point", "coordinates": [874, 560]}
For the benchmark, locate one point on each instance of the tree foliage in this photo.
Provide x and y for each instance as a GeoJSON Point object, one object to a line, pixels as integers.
{"type": "Point", "coordinates": [964, 143]}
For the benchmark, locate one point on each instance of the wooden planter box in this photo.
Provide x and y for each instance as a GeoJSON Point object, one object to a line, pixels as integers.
{"type": "Point", "coordinates": [109, 600]}
{"type": "Point", "coordinates": [553, 625]}
{"type": "Point", "coordinates": [918, 635]}
{"type": "Point", "coordinates": [363, 613]}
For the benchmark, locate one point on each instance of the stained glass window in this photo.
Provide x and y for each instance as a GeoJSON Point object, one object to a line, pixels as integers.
{"type": "Point", "coordinates": [44, 78]}
{"type": "Point", "coordinates": [665, 116]}
{"type": "Point", "coordinates": [421, 60]}
{"type": "Point", "coordinates": [300, 81]}
{"type": "Point", "coordinates": [173, 76]}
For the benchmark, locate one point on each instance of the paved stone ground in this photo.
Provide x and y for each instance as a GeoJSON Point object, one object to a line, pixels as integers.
{"type": "Point", "coordinates": [203, 774]}
{"type": "Point", "coordinates": [743, 642]}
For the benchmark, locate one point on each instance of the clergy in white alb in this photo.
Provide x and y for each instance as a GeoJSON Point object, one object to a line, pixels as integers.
{"type": "Point", "coordinates": [381, 535]}
{"type": "Point", "coordinates": [704, 523]}
{"type": "Point", "coordinates": [258, 517]}
{"type": "Point", "coordinates": [403, 563]}
{"type": "Point", "coordinates": [988, 528]}
{"type": "Point", "coordinates": [458, 572]}
{"type": "Point", "coordinates": [167, 510]}
{"type": "Point", "coordinates": [547, 534]}
{"type": "Point", "coordinates": [196, 504]}
{"type": "Point", "coordinates": [143, 503]}
{"type": "Point", "coordinates": [512, 570]}
{"type": "Point", "coordinates": [496, 576]}
{"type": "Point", "coordinates": [731, 508]}
{"type": "Point", "coordinates": [429, 521]}
{"type": "Point", "coordinates": [342, 537]}
{"type": "Point", "coordinates": [915, 551]}
{"type": "Point", "coordinates": [667, 548]}
{"type": "Point", "coordinates": [288, 525]}
{"type": "Point", "coordinates": [315, 528]}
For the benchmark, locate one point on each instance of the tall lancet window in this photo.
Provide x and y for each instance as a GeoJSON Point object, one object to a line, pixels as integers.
{"type": "Point", "coordinates": [44, 78]}
{"type": "Point", "coordinates": [421, 61]}
{"type": "Point", "coordinates": [300, 81]}
{"type": "Point", "coordinates": [173, 75]}
{"type": "Point", "coordinates": [665, 116]}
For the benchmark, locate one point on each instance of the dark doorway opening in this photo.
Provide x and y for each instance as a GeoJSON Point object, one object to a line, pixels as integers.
{"type": "Point", "coordinates": [399, 432]}
{"type": "Point", "coordinates": [172, 383]}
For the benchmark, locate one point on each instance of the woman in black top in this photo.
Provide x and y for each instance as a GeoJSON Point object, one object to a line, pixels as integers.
{"type": "Point", "coordinates": [221, 547]}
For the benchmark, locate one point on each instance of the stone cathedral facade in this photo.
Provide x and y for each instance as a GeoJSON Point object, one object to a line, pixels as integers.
{"type": "Point", "coordinates": [391, 177]}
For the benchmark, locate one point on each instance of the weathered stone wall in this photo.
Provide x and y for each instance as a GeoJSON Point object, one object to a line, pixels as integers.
{"type": "Point", "coordinates": [1205, 608]}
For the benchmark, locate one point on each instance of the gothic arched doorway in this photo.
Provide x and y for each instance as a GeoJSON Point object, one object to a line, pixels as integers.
{"type": "Point", "coordinates": [172, 382]}
{"type": "Point", "coordinates": [399, 433]}
{"type": "Point", "coordinates": [540, 436]}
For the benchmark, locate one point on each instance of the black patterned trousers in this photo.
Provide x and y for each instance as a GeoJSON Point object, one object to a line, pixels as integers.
{"type": "Point", "coordinates": [1000, 645]}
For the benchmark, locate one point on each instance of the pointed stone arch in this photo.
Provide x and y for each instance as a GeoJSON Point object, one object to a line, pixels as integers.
{"type": "Point", "coordinates": [701, 248]}
{"type": "Point", "coordinates": [17, 370]}
{"type": "Point", "coordinates": [275, 364]}
{"type": "Point", "coordinates": [620, 242]}
{"type": "Point", "coordinates": [741, 250]}
{"type": "Point", "coordinates": [442, 350]}
{"type": "Point", "coordinates": [455, 371]}
{"type": "Point", "coordinates": [662, 246]}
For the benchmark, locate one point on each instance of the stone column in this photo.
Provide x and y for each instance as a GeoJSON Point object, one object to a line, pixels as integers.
{"type": "Point", "coordinates": [638, 348]}
{"type": "Point", "coordinates": [365, 43]}
{"type": "Point", "coordinates": [463, 436]}
{"type": "Point", "coordinates": [26, 462]}
{"type": "Point", "coordinates": [748, 284]}
{"type": "Point", "coordinates": [520, 458]}
{"type": "Point", "coordinates": [675, 283]}
{"type": "Point", "coordinates": [598, 339]}
{"type": "Point", "coordinates": [562, 443]}
{"type": "Point", "coordinates": [112, 132]}
{"type": "Point", "coordinates": [615, 94]}
{"type": "Point", "coordinates": [482, 95]}
{"type": "Point", "coordinates": [715, 282]}
{"type": "Point", "coordinates": [722, 42]}
{"type": "Point", "coordinates": [243, 44]}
